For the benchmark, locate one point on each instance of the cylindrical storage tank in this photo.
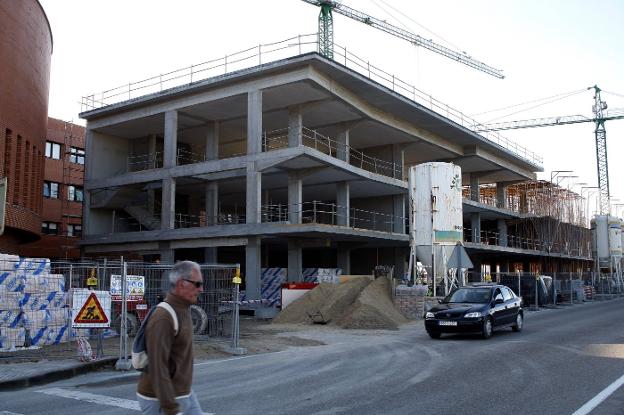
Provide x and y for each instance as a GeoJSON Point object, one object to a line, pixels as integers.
{"type": "Point", "coordinates": [615, 237]}
{"type": "Point", "coordinates": [436, 211]}
{"type": "Point", "coordinates": [600, 239]}
{"type": "Point", "coordinates": [25, 57]}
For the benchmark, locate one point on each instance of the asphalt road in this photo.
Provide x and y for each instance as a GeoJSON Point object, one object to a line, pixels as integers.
{"type": "Point", "coordinates": [563, 359]}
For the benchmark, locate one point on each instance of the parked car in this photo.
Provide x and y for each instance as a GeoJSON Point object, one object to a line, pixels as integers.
{"type": "Point", "coordinates": [479, 308]}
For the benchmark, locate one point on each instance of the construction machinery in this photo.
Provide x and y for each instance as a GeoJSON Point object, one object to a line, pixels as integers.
{"type": "Point", "coordinates": [326, 35]}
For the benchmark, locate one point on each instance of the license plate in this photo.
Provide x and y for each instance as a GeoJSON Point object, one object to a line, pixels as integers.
{"type": "Point", "coordinates": [447, 323]}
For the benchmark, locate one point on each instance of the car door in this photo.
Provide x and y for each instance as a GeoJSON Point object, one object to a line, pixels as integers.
{"type": "Point", "coordinates": [512, 305]}
{"type": "Point", "coordinates": [498, 310]}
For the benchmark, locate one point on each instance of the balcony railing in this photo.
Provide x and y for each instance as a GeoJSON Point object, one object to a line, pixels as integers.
{"type": "Point", "coordinates": [512, 241]}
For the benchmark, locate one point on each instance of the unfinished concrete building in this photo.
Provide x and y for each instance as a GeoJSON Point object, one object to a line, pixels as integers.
{"type": "Point", "coordinates": [300, 162]}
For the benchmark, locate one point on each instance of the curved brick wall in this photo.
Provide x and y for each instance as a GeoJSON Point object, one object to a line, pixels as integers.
{"type": "Point", "coordinates": [25, 55]}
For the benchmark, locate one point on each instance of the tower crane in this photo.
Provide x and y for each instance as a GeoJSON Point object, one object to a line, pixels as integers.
{"type": "Point", "coordinates": [601, 115]}
{"type": "Point", "coordinates": [326, 35]}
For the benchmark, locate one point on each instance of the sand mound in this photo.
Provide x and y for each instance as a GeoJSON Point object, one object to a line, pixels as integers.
{"type": "Point", "coordinates": [324, 303]}
{"type": "Point", "coordinates": [373, 309]}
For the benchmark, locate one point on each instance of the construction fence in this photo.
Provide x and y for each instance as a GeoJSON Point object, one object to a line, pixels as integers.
{"type": "Point", "coordinates": [47, 308]}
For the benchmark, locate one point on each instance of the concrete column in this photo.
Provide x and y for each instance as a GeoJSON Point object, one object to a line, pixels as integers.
{"type": "Point", "coordinates": [210, 255]}
{"type": "Point", "coordinates": [474, 187]}
{"type": "Point", "coordinates": [86, 212]}
{"type": "Point", "coordinates": [343, 260]}
{"type": "Point", "coordinates": [88, 168]}
{"type": "Point", "coordinates": [343, 201]}
{"type": "Point", "coordinates": [295, 197]}
{"type": "Point", "coordinates": [167, 256]}
{"type": "Point", "coordinates": [342, 152]}
{"type": "Point", "coordinates": [151, 193]}
{"type": "Point", "coordinates": [212, 203]}
{"type": "Point", "coordinates": [501, 195]}
{"type": "Point", "coordinates": [254, 122]}
{"type": "Point", "coordinates": [212, 141]}
{"type": "Point", "coordinates": [167, 214]}
{"type": "Point", "coordinates": [252, 268]}
{"type": "Point", "coordinates": [295, 261]}
{"type": "Point", "coordinates": [502, 232]}
{"type": "Point", "coordinates": [398, 208]}
{"type": "Point", "coordinates": [295, 126]}
{"type": "Point", "coordinates": [398, 158]}
{"type": "Point", "coordinates": [254, 194]}
{"type": "Point", "coordinates": [475, 227]}
{"type": "Point", "coordinates": [171, 139]}
{"type": "Point", "coordinates": [504, 266]}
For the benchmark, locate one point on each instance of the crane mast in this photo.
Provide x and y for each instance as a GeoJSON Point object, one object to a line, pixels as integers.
{"type": "Point", "coordinates": [326, 35]}
{"type": "Point", "coordinates": [601, 153]}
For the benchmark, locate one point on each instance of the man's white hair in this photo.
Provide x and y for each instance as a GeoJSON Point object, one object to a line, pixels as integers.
{"type": "Point", "coordinates": [182, 270]}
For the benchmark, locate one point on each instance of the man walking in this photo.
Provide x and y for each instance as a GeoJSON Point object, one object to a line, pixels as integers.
{"type": "Point", "coordinates": [165, 386]}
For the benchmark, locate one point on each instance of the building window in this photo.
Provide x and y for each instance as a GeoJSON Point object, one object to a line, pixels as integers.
{"type": "Point", "coordinates": [49, 228]}
{"type": "Point", "coordinates": [76, 155]}
{"type": "Point", "coordinates": [74, 230]}
{"type": "Point", "coordinates": [53, 150]}
{"type": "Point", "coordinates": [74, 193]}
{"type": "Point", "coordinates": [50, 190]}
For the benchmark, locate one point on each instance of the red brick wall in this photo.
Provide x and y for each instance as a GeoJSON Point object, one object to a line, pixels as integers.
{"type": "Point", "coordinates": [25, 54]}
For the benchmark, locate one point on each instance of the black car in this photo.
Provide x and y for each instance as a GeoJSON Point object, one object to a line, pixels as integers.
{"type": "Point", "coordinates": [479, 308]}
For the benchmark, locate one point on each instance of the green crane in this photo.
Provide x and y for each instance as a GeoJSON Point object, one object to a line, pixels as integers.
{"type": "Point", "coordinates": [326, 35]}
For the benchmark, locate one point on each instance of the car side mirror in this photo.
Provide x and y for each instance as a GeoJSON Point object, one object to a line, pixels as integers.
{"type": "Point", "coordinates": [440, 301]}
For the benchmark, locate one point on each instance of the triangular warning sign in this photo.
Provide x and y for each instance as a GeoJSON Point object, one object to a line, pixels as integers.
{"type": "Point", "coordinates": [91, 312]}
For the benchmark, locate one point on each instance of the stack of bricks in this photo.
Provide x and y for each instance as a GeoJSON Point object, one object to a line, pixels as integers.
{"type": "Point", "coordinates": [410, 301]}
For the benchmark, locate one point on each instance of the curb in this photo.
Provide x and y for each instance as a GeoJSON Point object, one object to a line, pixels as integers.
{"type": "Point", "coordinates": [54, 375]}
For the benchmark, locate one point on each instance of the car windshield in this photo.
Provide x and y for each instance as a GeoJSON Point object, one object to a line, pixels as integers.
{"type": "Point", "coordinates": [469, 295]}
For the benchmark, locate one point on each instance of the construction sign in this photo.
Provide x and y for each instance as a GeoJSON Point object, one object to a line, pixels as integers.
{"type": "Point", "coordinates": [91, 309]}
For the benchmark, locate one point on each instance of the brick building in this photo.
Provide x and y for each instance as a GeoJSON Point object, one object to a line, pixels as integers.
{"type": "Point", "coordinates": [25, 56]}
{"type": "Point", "coordinates": [61, 218]}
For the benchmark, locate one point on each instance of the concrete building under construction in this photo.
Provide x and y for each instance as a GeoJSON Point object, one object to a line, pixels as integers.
{"type": "Point", "coordinates": [302, 162]}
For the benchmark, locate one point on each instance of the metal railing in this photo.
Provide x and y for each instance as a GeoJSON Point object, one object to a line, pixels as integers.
{"type": "Point", "coordinates": [277, 139]}
{"type": "Point", "coordinates": [512, 241]}
{"type": "Point", "coordinates": [332, 214]}
{"type": "Point", "coordinates": [297, 45]}
{"type": "Point", "coordinates": [144, 162]}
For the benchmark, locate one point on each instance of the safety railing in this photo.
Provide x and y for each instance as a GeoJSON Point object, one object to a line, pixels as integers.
{"type": "Point", "coordinates": [332, 214]}
{"type": "Point", "coordinates": [277, 139]}
{"type": "Point", "coordinates": [144, 162]}
{"type": "Point", "coordinates": [512, 241]}
{"type": "Point", "coordinates": [297, 45]}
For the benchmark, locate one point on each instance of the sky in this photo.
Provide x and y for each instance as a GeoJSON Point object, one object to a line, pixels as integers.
{"type": "Point", "coordinates": [552, 49]}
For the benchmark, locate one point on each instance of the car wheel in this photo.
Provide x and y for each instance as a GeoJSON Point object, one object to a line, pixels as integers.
{"type": "Point", "coordinates": [519, 323]}
{"type": "Point", "coordinates": [434, 335]}
{"type": "Point", "coordinates": [199, 319]}
{"type": "Point", "coordinates": [487, 328]}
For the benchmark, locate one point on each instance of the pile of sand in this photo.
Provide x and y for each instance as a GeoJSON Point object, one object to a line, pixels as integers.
{"type": "Point", "coordinates": [373, 309]}
{"type": "Point", "coordinates": [357, 303]}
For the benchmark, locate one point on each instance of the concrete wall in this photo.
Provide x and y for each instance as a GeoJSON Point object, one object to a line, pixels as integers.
{"type": "Point", "coordinates": [109, 156]}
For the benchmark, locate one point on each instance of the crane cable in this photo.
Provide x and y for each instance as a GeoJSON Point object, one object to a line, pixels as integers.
{"type": "Point", "coordinates": [550, 99]}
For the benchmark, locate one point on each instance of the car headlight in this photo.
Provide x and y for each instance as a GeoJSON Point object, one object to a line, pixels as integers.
{"type": "Point", "coordinates": [429, 315]}
{"type": "Point", "coordinates": [474, 314]}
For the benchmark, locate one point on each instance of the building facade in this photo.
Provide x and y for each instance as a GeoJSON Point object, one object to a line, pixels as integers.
{"type": "Point", "coordinates": [25, 56]}
{"type": "Point", "coordinates": [62, 191]}
{"type": "Point", "coordinates": [296, 163]}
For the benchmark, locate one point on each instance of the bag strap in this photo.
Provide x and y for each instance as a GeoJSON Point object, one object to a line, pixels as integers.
{"type": "Point", "coordinates": [171, 311]}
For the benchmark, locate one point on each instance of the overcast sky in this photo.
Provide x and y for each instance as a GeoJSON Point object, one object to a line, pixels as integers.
{"type": "Point", "coordinates": [545, 48]}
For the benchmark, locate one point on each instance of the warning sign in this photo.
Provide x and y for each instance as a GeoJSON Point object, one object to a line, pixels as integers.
{"type": "Point", "coordinates": [91, 309]}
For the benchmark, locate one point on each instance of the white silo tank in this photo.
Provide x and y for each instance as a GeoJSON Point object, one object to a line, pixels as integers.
{"type": "Point", "coordinates": [600, 239]}
{"type": "Point", "coordinates": [436, 210]}
{"type": "Point", "coordinates": [615, 237]}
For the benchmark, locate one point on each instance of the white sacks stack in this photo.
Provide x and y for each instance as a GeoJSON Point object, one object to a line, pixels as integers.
{"type": "Point", "coordinates": [33, 309]}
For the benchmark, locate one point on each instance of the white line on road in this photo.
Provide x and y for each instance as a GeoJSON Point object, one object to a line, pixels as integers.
{"type": "Point", "coordinates": [597, 400]}
{"type": "Point", "coordinates": [8, 413]}
{"type": "Point", "coordinates": [92, 398]}
{"type": "Point", "coordinates": [215, 362]}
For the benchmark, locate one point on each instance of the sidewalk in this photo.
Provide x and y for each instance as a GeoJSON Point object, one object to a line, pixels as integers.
{"type": "Point", "coordinates": [26, 374]}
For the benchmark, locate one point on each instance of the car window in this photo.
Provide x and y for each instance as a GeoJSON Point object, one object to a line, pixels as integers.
{"type": "Point", "coordinates": [497, 294]}
{"type": "Point", "coordinates": [469, 295]}
{"type": "Point", "coordinates": [506, 294]}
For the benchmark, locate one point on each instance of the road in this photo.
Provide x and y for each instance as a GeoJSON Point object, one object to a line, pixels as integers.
{"type": "Point", "coordinates": [562, 363]}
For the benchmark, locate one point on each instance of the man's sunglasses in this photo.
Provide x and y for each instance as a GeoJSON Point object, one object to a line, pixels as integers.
{"type": "Point", "coordinates": [197, 284]}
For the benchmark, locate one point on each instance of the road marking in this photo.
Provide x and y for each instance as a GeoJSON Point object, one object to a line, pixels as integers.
{"type": "Point", "coordinates": [216, 362]}
{"type": "Point", "coordinates": [92, 398]}
{"type": "Point", "coordinates": [9, 413]}
{"type": "Point", "coordinates": [597, 400]}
